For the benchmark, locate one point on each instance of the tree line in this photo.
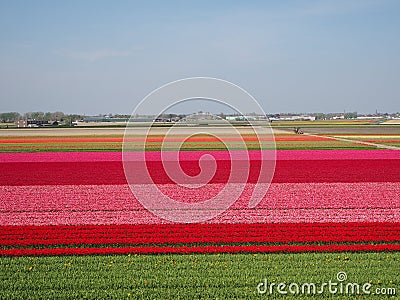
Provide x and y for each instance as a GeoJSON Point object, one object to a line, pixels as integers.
{"type": "Point", "coordinates": [11, 117]}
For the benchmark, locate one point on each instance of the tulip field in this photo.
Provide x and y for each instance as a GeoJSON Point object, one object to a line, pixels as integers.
{"type": "Point", "coordinates": [71, 227]}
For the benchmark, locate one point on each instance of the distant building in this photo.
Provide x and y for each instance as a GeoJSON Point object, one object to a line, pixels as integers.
{"type": "Point", "coordinates": [293, 118]}
{"type": "Point", "coordinates": [21, 123]}
{"type": "Point", "coordinates": [34, 123]}
{"type": "Point", "coordinates": [104, 119]}
{"type": "Point", "coordinates": [369, 117]}
{"type": "Point", "coordinates": [245, 118]}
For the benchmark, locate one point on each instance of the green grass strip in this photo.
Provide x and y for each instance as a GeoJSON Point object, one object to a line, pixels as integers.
{"type": "Point", "coordinates": [213, 276]}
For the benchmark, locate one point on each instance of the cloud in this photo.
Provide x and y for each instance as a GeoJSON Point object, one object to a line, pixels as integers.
{"type": "Point", "coordinates": [95, 55]}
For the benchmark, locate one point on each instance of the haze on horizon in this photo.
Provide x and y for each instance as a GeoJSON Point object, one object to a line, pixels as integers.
{"type": "Point", "coordinates": [93, 57]}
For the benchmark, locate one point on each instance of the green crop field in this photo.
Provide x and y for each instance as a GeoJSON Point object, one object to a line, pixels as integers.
{"type": "Point", "coordinates": [213, 276]}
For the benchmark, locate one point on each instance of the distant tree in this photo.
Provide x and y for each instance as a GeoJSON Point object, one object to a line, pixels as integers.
{"type": "Point", "coordinates": [171, 116]}
{"type": "Point", "coordinates": [57, 116]}
{"type": "Point", "coordinates": [9, 117]}
{"type": "Point", "coordinates": [47, 116]}
{"type": "Point", "coordinates": [69, 119]}
{"type": "Point", "coordinates": [36, 115]}
{"type": "Point", "coordinates": [74, 117]}
{"type": "Point", "coordinates": [350, 115]}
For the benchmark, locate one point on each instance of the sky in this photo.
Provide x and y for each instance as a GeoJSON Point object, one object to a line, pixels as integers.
{"type": "Point", "coordinates": [93, 57]}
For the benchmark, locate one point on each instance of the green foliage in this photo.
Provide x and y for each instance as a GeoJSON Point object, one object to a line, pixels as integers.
{"type": "Point", "coordinates": [48, 116]}
{"type": "Point", "coordinates": [351, 115]}
{"type": "Point", "coordinates": [9, 117]}
{"type": "Point", "coordinates": [223, 276]}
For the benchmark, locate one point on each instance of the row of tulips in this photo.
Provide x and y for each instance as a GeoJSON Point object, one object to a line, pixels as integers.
{"type": "Point", "coordinates": [152, 139]}
{"type": "Point", "coordinates": [195, 155]}
{"type": "Point", "coordinates": [202, 249]}
{"type": "Point", "coordinates": [112, 172]}
{"type": "Point", "coordinates": [240, 216]}
{"type": "Point", "coordinates": [68, 198]}
{"type": "Point", "coordinates": [199, 233]}
{"type": "Point", "coordinates": [284, 202]}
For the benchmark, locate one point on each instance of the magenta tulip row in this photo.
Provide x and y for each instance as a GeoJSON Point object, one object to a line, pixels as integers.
{"type": "Point", "coordinates": [284, 202]}
{"type": "Point", "coordinates": [195, 155]}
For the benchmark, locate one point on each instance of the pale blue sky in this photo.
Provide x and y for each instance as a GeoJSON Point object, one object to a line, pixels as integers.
{"type": "Point", "coordinates": [104, 56]}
